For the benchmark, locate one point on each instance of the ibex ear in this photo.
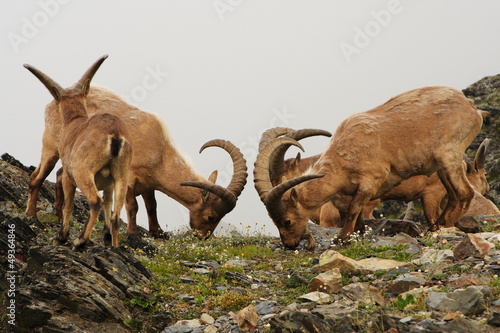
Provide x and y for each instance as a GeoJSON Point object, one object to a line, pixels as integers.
{"type": "Point", "coordinates": [294, 197]}
{"type": "Point", "coordinates": [296, 161]}
{"type": "Point", "coordinates": [204, 196]}
{"type": "Point", "coordinates": [55, 93]}
{"type": "Point", "coordinates": [206, 193]}
{"type": "Point", "coordinates": [213, 177]}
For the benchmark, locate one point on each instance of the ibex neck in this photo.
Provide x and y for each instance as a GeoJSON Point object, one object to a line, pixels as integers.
{"type": "Point", "coordinates": [175, 170]}
{"type": "Point", "coordinates": [72, 110]}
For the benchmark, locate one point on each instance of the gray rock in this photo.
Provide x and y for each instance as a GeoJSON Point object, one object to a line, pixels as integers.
{"type": "Point", "coordinates": [494, 319]}
{"type": "Point", "coordinates": [363, 293]}
{"type": "Point", "coordinates": [404, 283]}
{"type": "Point", "coordinates": [87, 287]}
{"type": "Point", "coordinates": [264, 308]}
{"type": "Point", "coordinates": [298, 322]}
{"type": "Point", "coordinates": [468, 301]}
{"type": "Point", "coordinates": [431, 255]}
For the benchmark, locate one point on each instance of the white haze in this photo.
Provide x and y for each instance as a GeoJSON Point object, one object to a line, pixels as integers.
{"type": "Point", "coordinates": [231, 69]}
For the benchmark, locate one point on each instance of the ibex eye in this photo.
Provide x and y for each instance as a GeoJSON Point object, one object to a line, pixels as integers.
{"type": "Point", "coordinates": [211, 219]}
{"type": "Point", "coordinates": [287, 223]}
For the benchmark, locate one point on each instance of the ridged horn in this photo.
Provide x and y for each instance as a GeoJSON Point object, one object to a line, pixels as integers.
{"type": "Point", "coordinates": [271, 134]}
{"type": "Point", "coordinates": [273, 202]}
{"type": "Point", "coordinates": [52, 86]}
{"type": "Point", "coordinates": [228, 195]}
{"type": "Point", "coordinates": [261, 173]}
{"type": "Point", "coordinates": [269, 195]}
{"type": "Point", "coordinates": [481, 154]}
{"type": "Point", "coordinates": [84, 82]}
{"type": "Point", "coordinates": [277, 166]}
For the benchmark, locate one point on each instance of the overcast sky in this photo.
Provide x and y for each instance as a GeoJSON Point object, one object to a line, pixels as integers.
{"type": "Point", "coordinates": [231, 69]}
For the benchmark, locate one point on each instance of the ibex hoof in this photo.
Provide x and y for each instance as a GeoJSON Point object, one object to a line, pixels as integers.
{"type": "Point", "coordinates": [107, 238]}
{"type": "Point", "coordinates": [33, 220]}
{"type": "Point", "coordinates": [79, 244]}
{"type": "Point", "coordinates": [434, 227]}
{"type": "Point", "coordinates": [341, 241]}
{"type": "Point", "coordinates": [59, 241]}
{"type": "Point", "coordinates": [160, 234]}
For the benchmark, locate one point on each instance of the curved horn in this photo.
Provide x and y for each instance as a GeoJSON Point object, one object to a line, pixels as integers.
{"type": "Point", "coordinates": [272, 201]}
{"type": "Point", "coordinates": [271, 134]}
{"type": "Point", "coordinates": [230, 194]}
{"type": "Point", "coordinates": [277, 167]}
{"type": "Point", "coordinates": [481, 154]}
{"type": "Point", "coordinates": [261, 172]}
{"type": "Point", "coordinates": [269, 195]}
{"type": "Point", "coordinates": [54, 88]}
{"type": "Point", "coordinates": [84, 82]}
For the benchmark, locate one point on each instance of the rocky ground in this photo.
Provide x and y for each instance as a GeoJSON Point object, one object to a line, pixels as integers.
{"type": "Point", "coordinates": [395, 278]}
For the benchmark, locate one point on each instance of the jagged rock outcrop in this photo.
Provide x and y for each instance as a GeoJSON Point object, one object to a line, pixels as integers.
{"type": "Point", "coordinates": [53, 288]}
{"type": "Point", "coordinates": [486, 96]}
{"type": "Point", "coordinates": [14, 189]}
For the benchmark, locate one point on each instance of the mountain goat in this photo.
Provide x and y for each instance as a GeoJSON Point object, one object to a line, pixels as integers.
{"type": "Point", "coordinates": [156, 165]}
{"type": "Point", "coordinates": [96, 154]}
{"type": "Point", "coordinates": [418, 132]}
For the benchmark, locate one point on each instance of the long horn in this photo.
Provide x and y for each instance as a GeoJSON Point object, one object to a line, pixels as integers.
{"type": "Point", "coordinates": [277, 167]}
{"type": "Point", "coordinates": [84, 82]}
{"type": "Point", "coordinates": [261, 173]}
{"type": "Point", "coordinates": [481, 154]}
{"type": "Point", "coordinates": [271, 134]}
{"type": "Point", "coordinates": [230, 194]}
{"type": "Point", "coordinates": [54, 88]}
{"type": "Point", "coordinates": [272, 201]}
{"type": "Point", "coordinates": [269, 195]}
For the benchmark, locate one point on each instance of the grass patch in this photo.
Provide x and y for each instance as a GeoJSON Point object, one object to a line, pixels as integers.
{"type": "Point", "coordinates": [360, 250]}
{"type": "Point", "coordinates": [285, 273]}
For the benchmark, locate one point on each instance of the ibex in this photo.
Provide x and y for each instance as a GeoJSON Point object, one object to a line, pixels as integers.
{"type": "Point", "coordinates": [430, 190]}
{"type": "Point", "coordinates": [280, 168]}
{"type": "Point", "coordinates": [156, 165]}
{"type": "Point", "coordinates": [96, 154]}
{"type": "Point", "coordinates": [418, 132]}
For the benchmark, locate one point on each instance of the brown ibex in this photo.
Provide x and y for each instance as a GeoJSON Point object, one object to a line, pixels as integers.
{"type": "Point", "coordinates": [430, 190]}
{"type": "Point", "coordinates": [418, 132]}
{"type": "Point", "coordinates": [156, 165]}
{"type": "Point", "coordinates": [96, 154]}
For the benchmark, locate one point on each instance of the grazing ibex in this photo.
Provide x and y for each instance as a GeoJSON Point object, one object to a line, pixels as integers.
{"type": "Point", "coordinates": [418, 132]}
{"type": "Point", "coordinates": [280, 168]}
{"type": "Point", "coordinates": [430, 190]}
{"type": "Point", "coordinates": [156, 165]}
{"type": "Point", "coordinates": [96, 154]}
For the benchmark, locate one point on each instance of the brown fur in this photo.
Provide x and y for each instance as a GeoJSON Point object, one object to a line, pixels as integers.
{"type": "Point", "coordinates": [415, 133]}
{"type": "Point", "coordinates": [156, 164]}
{"type": "Point", "coordinates": [95, 154]}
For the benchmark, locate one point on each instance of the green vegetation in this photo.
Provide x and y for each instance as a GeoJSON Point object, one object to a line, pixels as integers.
{"type": "Point", "coordinates": [185, 292]}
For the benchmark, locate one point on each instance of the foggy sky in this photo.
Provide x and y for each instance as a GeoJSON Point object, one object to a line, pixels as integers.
{"type": "Point", "coordinates": [231, 69]}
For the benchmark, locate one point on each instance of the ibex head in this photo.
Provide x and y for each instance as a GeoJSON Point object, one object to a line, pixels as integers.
{"type": "Point", "coordinates": [287, 212]}
{"type": "Point", "coordinates": [78, 91]}
{"type": "Point", "coordinates": [476, 173]}
{"type": "Point", "coordinates": [216, 201]}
